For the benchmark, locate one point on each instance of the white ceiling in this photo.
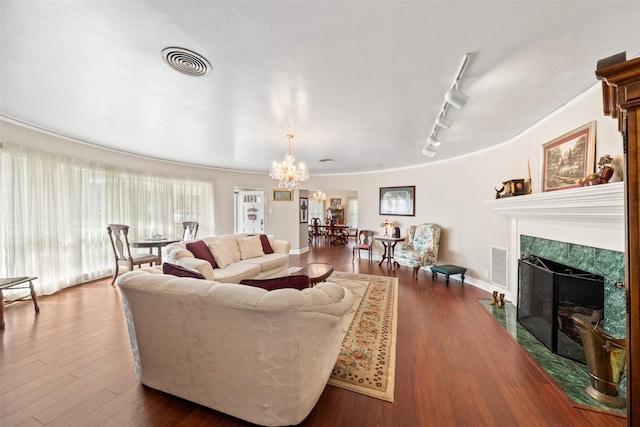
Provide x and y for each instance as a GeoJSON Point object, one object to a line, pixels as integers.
{"type": "Point", "coordinates": [359, 82]}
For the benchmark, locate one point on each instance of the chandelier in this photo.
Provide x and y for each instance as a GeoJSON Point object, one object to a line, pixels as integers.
{"type": "Point", "coordinates": [286, 172]}
{"type": "Point", "coordinates": [319, 195]}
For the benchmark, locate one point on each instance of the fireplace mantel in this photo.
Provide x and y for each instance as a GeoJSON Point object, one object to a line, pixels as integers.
{"type": "Point", "coordinates": [595, 204]}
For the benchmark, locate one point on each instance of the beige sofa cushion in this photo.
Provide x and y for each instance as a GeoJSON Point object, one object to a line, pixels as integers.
{"type": "Point", "coordinates": [269, 262]}
{"type": "Point", "coordinates": [250, 247]}
{"type": "Point", "coordinates": [225, 251]}
{"type": "Point", "coordinates": [237, 271]}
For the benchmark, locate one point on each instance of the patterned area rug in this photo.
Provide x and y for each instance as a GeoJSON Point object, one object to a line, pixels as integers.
{"type": "Point", "coordinates": [366, 363]}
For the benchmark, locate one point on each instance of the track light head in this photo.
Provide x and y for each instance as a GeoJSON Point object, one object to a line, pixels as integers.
{"type": "Point", "coordinates": [433, 141]}
{"type": "Point", "coordinates": [428, 151]}
{"type": "Point", "coordinates": [456, 98]}
{"type": "Point", "coordinates": [443, 122]}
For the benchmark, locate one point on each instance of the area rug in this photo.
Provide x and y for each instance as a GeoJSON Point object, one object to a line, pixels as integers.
{"type": "Point", "coordinates": [366, 363]}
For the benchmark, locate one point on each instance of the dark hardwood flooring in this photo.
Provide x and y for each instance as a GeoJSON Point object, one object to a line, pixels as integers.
{"type": "Point", "coordinates": [456, 366]}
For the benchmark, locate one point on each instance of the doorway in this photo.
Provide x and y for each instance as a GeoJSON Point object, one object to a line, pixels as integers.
{"type": "Point", "coordinates": [249, 211]}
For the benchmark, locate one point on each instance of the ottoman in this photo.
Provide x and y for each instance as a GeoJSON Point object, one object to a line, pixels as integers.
{"type": "Point", "coordinates": [447, 270]}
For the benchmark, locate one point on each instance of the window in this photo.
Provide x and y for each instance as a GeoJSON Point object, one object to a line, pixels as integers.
{"type": "Point", "coordinates": [59, 208]}
{"type": "Point", "coordinates": [316, 209]}
{"type": "Point", "coordinates": [352, 212]}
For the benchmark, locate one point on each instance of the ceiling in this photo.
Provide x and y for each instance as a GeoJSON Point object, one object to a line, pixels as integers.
{"type": "Point", "coordinates": [359, 82]}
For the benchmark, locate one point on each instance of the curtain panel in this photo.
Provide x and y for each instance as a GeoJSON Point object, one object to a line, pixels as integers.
{"type": "Point", "coordinates": [55, 212]}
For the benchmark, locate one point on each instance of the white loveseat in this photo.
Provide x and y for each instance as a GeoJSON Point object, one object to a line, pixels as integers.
{"type": "Point", "coordinates": [264, 357]}
{"type": "Point", "coordinates": [238, 257]}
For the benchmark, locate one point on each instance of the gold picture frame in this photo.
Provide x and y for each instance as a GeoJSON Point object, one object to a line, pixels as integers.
{"type": "Point", "coordinates": [282, 195]}
{"type": "Point", "coordinates": [568, 159]}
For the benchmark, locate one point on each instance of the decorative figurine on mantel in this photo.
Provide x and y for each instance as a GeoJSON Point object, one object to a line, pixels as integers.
{"type": "Point", "coordinates": [605, 172]}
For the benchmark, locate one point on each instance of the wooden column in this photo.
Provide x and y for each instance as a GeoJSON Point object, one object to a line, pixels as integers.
{"type": "Point", "coordinates": [621, 99]}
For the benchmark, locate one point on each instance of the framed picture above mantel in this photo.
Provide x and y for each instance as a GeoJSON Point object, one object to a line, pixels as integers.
{"type": "Point", "coordinates": [400, 201]}
{"type": "Point", "coordinates": [569, 159]}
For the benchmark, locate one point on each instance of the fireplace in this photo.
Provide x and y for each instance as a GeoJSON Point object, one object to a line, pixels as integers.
{"type": "Point", "coordinates": [549, 295]}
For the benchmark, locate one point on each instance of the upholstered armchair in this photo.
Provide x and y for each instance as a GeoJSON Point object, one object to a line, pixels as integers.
{"type": "Point", "coordinates": [420, 249]}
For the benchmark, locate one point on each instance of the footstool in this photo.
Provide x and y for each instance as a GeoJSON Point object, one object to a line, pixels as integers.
{"type": "Point", "coordinates": [447, 270]}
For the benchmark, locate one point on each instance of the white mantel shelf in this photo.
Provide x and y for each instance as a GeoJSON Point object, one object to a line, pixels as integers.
{"type": "Point", "coordinates": [596, 204]}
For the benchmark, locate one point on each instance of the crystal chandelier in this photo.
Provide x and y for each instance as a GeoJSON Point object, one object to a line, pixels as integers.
{"type": "Point", "coordinates": [319, 195]}
{"type": "Point", "coordinates": [287, 173]}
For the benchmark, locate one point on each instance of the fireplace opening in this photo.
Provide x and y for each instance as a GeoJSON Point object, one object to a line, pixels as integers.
{"type": "Point", "coordinates": [549, 294]}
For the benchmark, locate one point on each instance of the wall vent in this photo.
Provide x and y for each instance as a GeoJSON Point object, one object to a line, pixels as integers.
{"type": "Point", "coordinates": [499, 267]}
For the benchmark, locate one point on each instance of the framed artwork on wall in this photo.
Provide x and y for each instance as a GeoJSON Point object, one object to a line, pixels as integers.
{"type": "Point", "coordinates": [569, 158]}
{"type": "Point", "coordinates": [399, 201]}
{"type": "Point", "coordinates": [282, 196]}
{"type": "Point", "coordinates": [335, 203]}
{"type": "Point", "coordinates": [304, 208]}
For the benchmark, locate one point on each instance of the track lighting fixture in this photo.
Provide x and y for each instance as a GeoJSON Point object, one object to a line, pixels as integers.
{"type": "Point", "coordinates": [453, 97]}
{"type": "Point", "coordinates": [433, 141]}
{"type": "Point", "coordinates": [428, 151]}
{"type": "Point", "coordinates": [456, 98]}
{"type": "Point", "coordinates": [443, 122]}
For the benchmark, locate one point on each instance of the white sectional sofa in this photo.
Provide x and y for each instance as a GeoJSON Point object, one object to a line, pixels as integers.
{"type": "Point", "coordinates": [262, 356]}
{"type": "Point", "coordinates": [238, 256]}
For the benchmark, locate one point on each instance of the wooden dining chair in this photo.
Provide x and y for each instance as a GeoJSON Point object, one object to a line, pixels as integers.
{"type": "Point", "coordinates": [363, 243]}
{"type": "Point", "coordinates": [190, 230]}
{"type": "Point", "coordinates": [119, 236]}
{"type": "Point", "coordinates": [316, 232]}
{"type": "Point", "coordinates": [337, 235]}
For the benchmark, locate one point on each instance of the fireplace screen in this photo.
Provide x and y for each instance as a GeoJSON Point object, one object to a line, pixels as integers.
{"type": "Point", "coordinates": [549, 294]}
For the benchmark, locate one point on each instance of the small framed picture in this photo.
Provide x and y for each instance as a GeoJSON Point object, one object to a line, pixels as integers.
{"type": "Point", "coordinates": [335, 203]}
{"type": "Point", "coordinates": [304, 206]}
{"type": "Point", "coordinates": [282, 196]}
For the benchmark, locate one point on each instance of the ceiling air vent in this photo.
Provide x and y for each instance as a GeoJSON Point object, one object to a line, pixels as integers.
{"type": "Point", "coordinates": [186, 61]}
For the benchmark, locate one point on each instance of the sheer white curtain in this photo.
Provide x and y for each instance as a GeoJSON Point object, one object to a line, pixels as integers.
{"type": "Point", "coordinates": [55, 211]}
{"type": "Point", "coordinates": [352, 212]}
{"type": "Point", "coordinates": [316, 209]}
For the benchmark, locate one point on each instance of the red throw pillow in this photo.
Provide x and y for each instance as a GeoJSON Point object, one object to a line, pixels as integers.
{"type": "Point", "coordinates": [200, 250]}
{"type": "Point", "coordinates": [295, 282]}
{"type": "Point", "coordinates": [266, 246]}
{"type": "Point", "coordinates": [180, 271]}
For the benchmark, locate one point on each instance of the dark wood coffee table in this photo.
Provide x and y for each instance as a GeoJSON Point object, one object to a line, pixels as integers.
{"type": "Point", "coordinates": [317, 272]}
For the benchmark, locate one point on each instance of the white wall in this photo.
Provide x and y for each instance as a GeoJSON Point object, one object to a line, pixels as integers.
{"type": "Point", "coordinates": [450, 193]}
{"type": "Point", "coordinates": [453, 193]}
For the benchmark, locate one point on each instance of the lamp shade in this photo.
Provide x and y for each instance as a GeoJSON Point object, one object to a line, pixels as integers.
{"type": "Point", "coordinates": [456, 98]}
{"type": "Point", "coordinates": [443, 122]}
{"type": "Point", "coordinates": [428, 151]}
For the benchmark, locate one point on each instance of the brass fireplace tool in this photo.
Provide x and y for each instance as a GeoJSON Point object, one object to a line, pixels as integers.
{"type": "Point", "coordinates": [495, 298]}
{"type": "Point", "coordinates": [498, 300]}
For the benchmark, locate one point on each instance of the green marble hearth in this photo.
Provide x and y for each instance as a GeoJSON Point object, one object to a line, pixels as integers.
{"type": "Point", "coordinates": [604, 262]}
{"type": "Point", "coordinates": [572, 377]}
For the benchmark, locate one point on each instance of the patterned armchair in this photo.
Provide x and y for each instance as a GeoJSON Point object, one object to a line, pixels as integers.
{"type": "Point", "coordinates": [420, 248]}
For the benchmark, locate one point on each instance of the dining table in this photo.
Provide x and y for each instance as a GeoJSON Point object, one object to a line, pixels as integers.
{"type": "Point", "coordinates": [153, 243]}
{"type": "Point", "coordinates": [335, 233]}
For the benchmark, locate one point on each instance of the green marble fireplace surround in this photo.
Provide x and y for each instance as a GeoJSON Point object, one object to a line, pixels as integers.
{"type": "Point", "coordinates": [604, 262]}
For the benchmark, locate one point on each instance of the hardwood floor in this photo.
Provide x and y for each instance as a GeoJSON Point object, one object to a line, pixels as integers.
{"type": "Point", "coordinates": [456, 366]}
